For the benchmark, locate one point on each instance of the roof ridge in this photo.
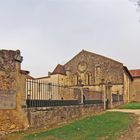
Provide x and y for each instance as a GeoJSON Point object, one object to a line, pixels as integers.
{"type": "Point", "coordinates": [92, 54]}
{"type": "Point", "coordinates": [102, 56]}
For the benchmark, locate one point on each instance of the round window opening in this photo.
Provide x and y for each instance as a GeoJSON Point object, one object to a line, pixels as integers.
{"type": "Point", "coordinates": [82, 66]}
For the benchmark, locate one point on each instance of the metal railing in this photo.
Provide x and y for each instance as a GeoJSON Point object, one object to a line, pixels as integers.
{"type": "Point", "coordinates": [40, 93]}
{"type": "Point", "coordinates": [93, 102]}
{"type": "Point", "coordinates": [46, 103]}
{"type": "Point", "coordinates": [42, 90]}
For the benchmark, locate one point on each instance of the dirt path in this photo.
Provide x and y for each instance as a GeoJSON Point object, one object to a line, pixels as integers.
{"type": "Point", "coordinates": [133, 133]}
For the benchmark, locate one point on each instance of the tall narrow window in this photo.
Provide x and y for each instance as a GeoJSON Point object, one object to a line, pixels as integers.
{"type": "Point", "coordinates": [88, 78]}
{"type": "Point", "coordinates": [97, 74]}
{"type": "Point", "coordinates": [76, 79]}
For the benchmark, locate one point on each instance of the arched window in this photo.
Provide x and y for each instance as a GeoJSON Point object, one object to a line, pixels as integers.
{"type": "Point", "coordinates": [76, 79]}
{"type": "Point", "coordinates": [88, 78]}
{"type": "Point", "coordinates": [97, 73]}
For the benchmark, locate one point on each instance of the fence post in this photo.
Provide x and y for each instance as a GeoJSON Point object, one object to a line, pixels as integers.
{"type": "Point", "coordinates": [103, 90]}
{"type": "Point", "coordinates": [29, 100]}
{"type": "Point", "coordinates": [81, 90]}
{"type": "Point", "coordinates": [110, 93]}
{"type": "Point", "coordinates": [82, 93]}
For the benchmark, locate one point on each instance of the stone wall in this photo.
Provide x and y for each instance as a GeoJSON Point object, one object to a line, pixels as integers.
{"type": "Point", "coordinates": [127, 87]}
{"type": "Point", "coordinates": [52, 116]}
{"type": "Point", "coordinates": [135, 93]}
{"type": "Point", "coordinates": [92, 68]}
{"type": "Point", "coordinates": [116, 104]}
{"type": "Point", "coordinates": [12, 83]}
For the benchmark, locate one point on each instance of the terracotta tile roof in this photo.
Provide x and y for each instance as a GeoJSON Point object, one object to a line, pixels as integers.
{"type": "Point", "coordinates": [135, 73]}
{"type": "Point", "coordinates": [59, 70]}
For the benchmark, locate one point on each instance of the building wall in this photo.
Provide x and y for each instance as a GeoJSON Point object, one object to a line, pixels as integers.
{"type": "Point", "coordinates": [135, 92]}
{"type": "Point", "coordinates": [117, 89]}
{"type": "Point", "coordinates": [92, 68]}
{"type": "Point", "coordinates": [127, 87]}
{"type": "Point", "coordinates": [50, 88]}
{"type": "Point", "coordinates": [56, 79]}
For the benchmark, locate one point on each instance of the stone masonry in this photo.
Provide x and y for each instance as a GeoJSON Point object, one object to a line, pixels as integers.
{"type": "Point", "coordinates": [97, 67]}
{"type": "Point", "coordinates": [12, 81]}
{"type": "Point", "coordinates": [50, 117]}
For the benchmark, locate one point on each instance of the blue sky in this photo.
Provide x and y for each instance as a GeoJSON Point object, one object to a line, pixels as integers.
{"type": "Point", "coordinates": [49, 32]}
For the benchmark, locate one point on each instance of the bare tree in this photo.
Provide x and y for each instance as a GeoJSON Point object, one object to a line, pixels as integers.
{"type": "Point", "coordinates": [137, 4]}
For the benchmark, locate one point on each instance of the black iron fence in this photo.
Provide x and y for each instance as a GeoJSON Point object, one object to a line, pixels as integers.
{"type": "Point", "coordinates": [46, 103]}
{"type": "Point", "coordinates": [40, 93]}
{"type": "Point", "coordinates": [117, 98]}
{"type": "Point", "coordinates": [93, 102]}
{"type": "Point", "coordinates": [42, 90]}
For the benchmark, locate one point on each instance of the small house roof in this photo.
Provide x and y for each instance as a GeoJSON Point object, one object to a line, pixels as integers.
{"type": "Point", "coordinates": [59, 70]}
{"type": "Point", "coordinates": [135, 73]}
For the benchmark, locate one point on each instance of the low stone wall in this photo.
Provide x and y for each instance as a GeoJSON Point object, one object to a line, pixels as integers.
{"type": "Point", "coordinates": [11, 120]}
{"type": "Point", "coordinates": [115, 104]}
{"type": "Point", "coordinates": [52, 116]}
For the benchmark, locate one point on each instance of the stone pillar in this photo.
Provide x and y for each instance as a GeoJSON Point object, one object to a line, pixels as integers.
{"type": "Point", "coordinates": [12, 116]}
{"type": "Point", "coordinates": [109, 94]}
{"type": "Point", "coordinates": [103, 90]}
{"type": "Point", "coordinates": [82, 93]}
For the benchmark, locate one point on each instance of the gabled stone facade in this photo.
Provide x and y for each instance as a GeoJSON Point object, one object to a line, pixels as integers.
{"type": "Point", "coordinates": [89, 69]}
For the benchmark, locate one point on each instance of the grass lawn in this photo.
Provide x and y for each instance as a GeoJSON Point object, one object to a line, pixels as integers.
{"type": "Point", "coordinates": [133, 105]}
{"type": "Point", "coordinates": [107, 125]}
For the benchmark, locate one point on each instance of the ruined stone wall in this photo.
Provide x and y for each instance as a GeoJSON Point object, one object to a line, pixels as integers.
{"type": "Point", "coordinates": [91, 68]}
{"type": "Point", "coordinates": [52, 116]}
{"type": "Point", "coordinates": [12, 84]}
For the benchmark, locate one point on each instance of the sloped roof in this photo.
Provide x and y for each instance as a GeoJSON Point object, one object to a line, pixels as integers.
{"type": "Point", "coordinates": [128, 72]}
{"type": "Point", "coordinates": [135, 73]}
{"type": "Point", "coordinates": [88, 52]}
{"type": "Point", "coordinates": [59, 70]}
{"type": "Point", "coordinates": [25, 72]}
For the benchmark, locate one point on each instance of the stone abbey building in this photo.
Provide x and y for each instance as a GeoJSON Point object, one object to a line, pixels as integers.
{"type": "Point", "coordinates": [90, 70]}
{"type": "Point", "coordinates": [80, 87]}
